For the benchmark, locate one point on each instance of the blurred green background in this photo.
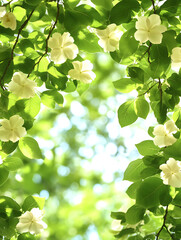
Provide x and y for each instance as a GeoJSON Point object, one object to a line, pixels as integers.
{"type": "Point", "coordinates": [85, 157]}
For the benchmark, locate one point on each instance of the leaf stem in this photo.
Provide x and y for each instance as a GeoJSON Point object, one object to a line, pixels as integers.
{"type": "Point", "coordinates": [147, 90]}
{"type": "Point", "coordinates": [153, 3]}
{"type": "Point", "coordinates": [164, 225]}
{"type": "Point", "coordinates": [49, 34]}
{"type": "Point", "coordinates": [12, 51]}
{"type": "Point", "coordinates": [160, 89]}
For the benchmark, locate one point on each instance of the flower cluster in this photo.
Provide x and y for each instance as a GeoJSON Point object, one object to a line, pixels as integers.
{"type": "Point", "coordinates": [21, 86]}
{"type": "Point", "coordinates": [171, 173]}
{"type": "Point", "coordinates": [109, 38]}
{"type": "Point", "coordinates": [62, 47]}
{"type": "Point", "coordinates": [12, 130]}
{"type": "Point", "coordinates": [8, 19]}
{"type": "Point", "coordinates": [164, 134]}
{"type": "Point", "coordinates": [31, 221]}
{"type": "Point", "coordinates": [149, 28]}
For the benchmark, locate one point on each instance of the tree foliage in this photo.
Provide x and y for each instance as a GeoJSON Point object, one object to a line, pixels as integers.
{"type": "Point", "coordinates": [155, 213]}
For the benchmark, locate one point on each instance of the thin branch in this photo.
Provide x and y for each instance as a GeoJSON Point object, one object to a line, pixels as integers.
{"type": "Point", "coordinates": [49, 34]}
{"type": "Point", "coordinates": [147, 51]}
{"type": "Point", "coordinates": [147, 90]}
{"type": "Point", "coordinates": [160, 89]}
{"type": "Point", "coordinates": [12, 51]}
{"type": "Point", "coordinates": [153, 3]}
{"type": "Point", "coordinates": [164, 225]}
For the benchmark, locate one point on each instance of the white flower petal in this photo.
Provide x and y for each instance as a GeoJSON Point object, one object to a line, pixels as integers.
{"type": "Point", "coordinates": [154, 20]}
{"type": "Point", "coordinates": [141, 36]}
{"type": "Point", "coordinates": [170, 127]}
{"type": "Point", "coordinates": [9, 21]}
{"type": "Point", "coordinates": [62, 47]}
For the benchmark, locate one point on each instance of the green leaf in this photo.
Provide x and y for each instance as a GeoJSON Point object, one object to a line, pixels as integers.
{"type": "Point", "coordinates": [132, 189]}
{"type": "Point", "coordinates": [118, 216]}
{"type": "Point", "coordinates": [137, 74]}
{"type": "Point", "coordinates": [87, 41]}
{"type": "Point", "coordinates": [133, 170]}
{"type": "Point", "coordinates": [134, 214]}
{"type": "Point", "coordinates": [13, 163]}
{"type": "Point", "coordinates": [5, 52]}
{"type": "Point", "coordinates": [173, 151]}
{"type": "Point", "coordinates": [7, 202]}
{"type": "Point", "coordinates": [177, 118]}
{"type": "Point", "coordinates": [124, 85]}
{"type": "Point", "coordinates": [79, 15]}
{"type": "Point", "coordinates": [161, 61]}
{"type": "Point", "coordinates": [29, 106]}
{"type": "Point", "coordinates": [50, 97]}
{"type": "Point", "coordinates": [177, 199]}
{"type": "Point", "coordinates": [33, 202]}
{"type": "Point", "coordinates": [33, 2]}
{"type": "Point", "coordinates": [19, 13]}
{"type": "Point", "coordinates": [149, 171]}
{"type": "Point", "coordinates": [125, 232]}
{"type": "Point", "coordinates": [30, 148]}
{"type": "Point", "coordinates": [127, 45]}
{"type": "Point", "coordinates": [26, 236]}
{"type": "Point", "coordinates": [122, 11]}
{"type": "Point", "coordinates": [149, 192]}
{"type": "Point", "coordinates": [26, 45]}
{"type": "Point", "coordinates": [160, 111]}
{"type": "Point", "coordinates": [4, 173]}
{"type": "Point", "coordinates": [107, 4]}
{"type": "Point", "coordinates": [147, 147]}
{"type": "Point", "coordinates": [9, 147]}
{"type": "Point", "coordinates": [153, 161]}
{"type": "Point", "coordinates": [136, 237]}
{"type": "Point", "coordinates": [141, 108]}
{"type": "Point", "coordinates": [126, 114]}
{"type": "Point", "coordinates": [175, 83]}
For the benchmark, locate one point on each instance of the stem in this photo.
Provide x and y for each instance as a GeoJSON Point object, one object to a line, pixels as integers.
{"type": "Point", "coordinates": [161, 93]}
{"type": "Point", "coordinates": [147, 90]}
{"type": "Point", "coordinates": [49, 34]}
{"type": "Point", "coordinates": [153, 3]}
{"type": "Point", "coordinates": [12, 51]}
{"type": "Point", "coordinates": [147, 51]}
{"type": "Point", "coordinates": [164, 225]}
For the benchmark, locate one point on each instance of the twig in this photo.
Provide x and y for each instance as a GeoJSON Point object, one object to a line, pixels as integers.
{"type": "Point", "coordinates": [147, 90]}
{"type": "Point", "coordinates": [49, 34]}
{"type": "Point", "coordinates": [164, 225]}
{"type": "Point", "coordinates": [12, 51]}
{"type": "Point", "coordinates": [153, 3]}
{"type": "Point", "coordinates": [160, 89]}
{"type": "Point", "coordinates": [147, 51]}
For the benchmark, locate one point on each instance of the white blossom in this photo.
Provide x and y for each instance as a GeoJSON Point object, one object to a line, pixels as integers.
{"type": "Point", "coordinates": [62, 47]}
{"type": "Point", "coordinates": [171, 173]}
{"type": "Point", "coordinates": [9, 20]}
{"type": "Point", "coordinates": [21, 86]}
{"type": "Point", "coordinates": [2, 11]}
{"type": "Point", "coordinates": [12, 130]}
{"type": "Point", "coordinates": [82, 71]}
{"type": "Point", "coordinates": [31, 221]}
{"type": "Point", "coordinates": [164, 134]}
{"type": "Point", "coordinates": [109, 38]}
{"type": "Point", "coordinates": [176, 57]}
{"type": "Point", "coordinates": [149, 28]}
